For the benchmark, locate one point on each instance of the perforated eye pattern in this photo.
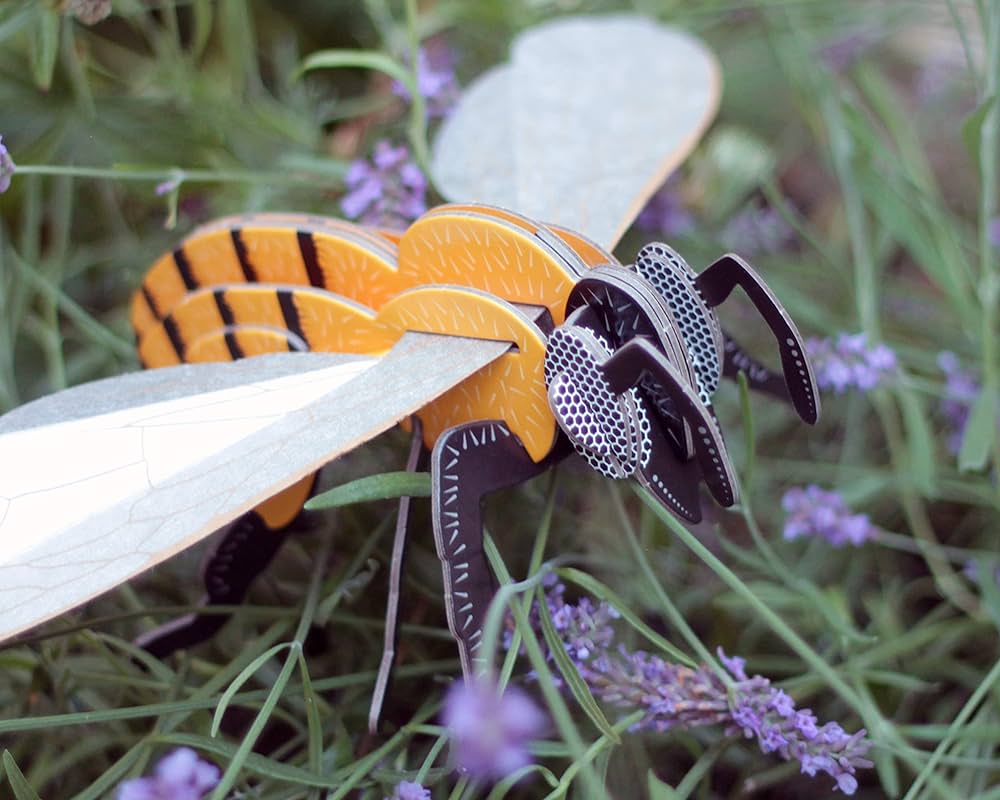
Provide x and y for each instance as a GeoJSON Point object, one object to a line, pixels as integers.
{"type": "Point", "coordinates": [608, 430]}
{"type": "Point", "coordinates": [625, 307]}
{"type": "Point", "coordinates": [674, 279]}
{"type": "Point", "coordinates": [628, 307]}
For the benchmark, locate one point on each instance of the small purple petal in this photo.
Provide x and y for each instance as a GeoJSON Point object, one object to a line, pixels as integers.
{"type": "Point", "coordinates": [755, 231]}
{"type": "Point", "coordinates": [357, 172]}
{"type": "Point", "coordinates": [407, 790]}
{"type": "Point", "coordinates": [354, 203]}
{"type": "Point", "coordinates": [664, 213]}
{"type": "Point", "coordinates": [181, 775]}
{"type": "Point", "coordinates": [489, 731]}
{"type": "Point", "coordinates": [436, 81]}
{"type": "Point", "coordinates": [994, 231]}
{"type": "Point", "coordinates": [814, 512]}
{"type": "Point", "coordinates": [390, 191]}
{"type": "Point", "coordinates": [960, 392]}
{"type": "Point", "coordinates": [850, 361]}
{"type": "Point", "coordinates": [735, 664]}
{"type": "Point", "coordinates": [847, 783]}
{"type": "Point", "coordinates": [386, 157]}
{"type": "Point", "coordinates": [7, 167]}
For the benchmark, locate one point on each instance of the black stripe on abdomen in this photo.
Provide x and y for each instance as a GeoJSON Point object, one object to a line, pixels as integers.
{"type": "Point", "coordinates": [286, 301]}
{"type": "Point", "coordinates": [233, 346]}
{"type": "Point", "coordinates": [307, 246]}
{"type": "Point", "coordinates": [184, 269]}
{"type": "Point", "coordinates": [151, 301]}
{"type": "Point", "coordinates": [225, 311]}
{"type": "Point", "coordinates": [244, 257]}
{"type": "Point", "coordinates": [176, 341]}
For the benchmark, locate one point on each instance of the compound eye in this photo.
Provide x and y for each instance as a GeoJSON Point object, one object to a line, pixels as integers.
{"type": "Point", "coordinates": [602, 425]}
{"type": "Point", "coordinates": [671, 276]}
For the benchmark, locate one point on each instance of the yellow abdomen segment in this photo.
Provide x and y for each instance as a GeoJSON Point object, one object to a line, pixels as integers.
{"type": "Point", "coordinates": [290, 249]}
{"type": "Point", "coordinates": [316, 319]}
{"type": "Point", "coordinates": [488, 253]}
{"type": "Point", "coordinates": [511, 388]}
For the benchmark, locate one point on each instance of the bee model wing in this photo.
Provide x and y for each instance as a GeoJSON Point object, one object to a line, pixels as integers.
{"type": "Point", "coordinates": [101, 482]}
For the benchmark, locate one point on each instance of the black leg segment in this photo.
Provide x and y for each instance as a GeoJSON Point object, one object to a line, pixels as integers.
{"type": "Point", "coordinates": [468, 462]}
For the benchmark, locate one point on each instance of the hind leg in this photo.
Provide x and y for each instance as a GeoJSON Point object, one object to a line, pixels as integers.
{"type": "Point", "coordinates": [243, 551]}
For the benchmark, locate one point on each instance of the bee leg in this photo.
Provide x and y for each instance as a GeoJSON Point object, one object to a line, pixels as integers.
{"type": "Point", "coordinates": [671, 479]}
{"type": "Point", "coordinates": [716, 282]}
{"type": "Point", "coordinates": [395, 578]}
{"type": "Point", "coordinates": [468, 462]}
{"type": "Point", "coordinates": [626, 368]}
{"type": "Point", "coordinates": [759, 377]}
{"type": "Point", "coordinates": [243, 551]}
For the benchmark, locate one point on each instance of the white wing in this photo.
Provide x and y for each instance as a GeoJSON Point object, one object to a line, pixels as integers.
{"type": "Point", "coordinates": [142, 466]}
{"type": "Point", "coordinates": [583, 124]}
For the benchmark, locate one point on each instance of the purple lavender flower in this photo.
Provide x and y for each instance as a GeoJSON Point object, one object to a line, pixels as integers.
{"type": "Point", "coordinates": [849, 361]}
{"type": "Point", "coordinates": [768, 714]}
{"type": "Point", "coordinates": [490, 731]}
{"type": "Point", "coordinates": [756, 231]}
{"type": "Point", "coordinates": [814, 512]}
{"type": "Point", "coordinates": [7, 167]}
{"type": "Point", "coordinates": [664, 213]}
{"type": "Point", "coordinates": [388, 192]}
{"type": "Point", "coordinates": [167, 186]}
{"type": "Point", "coordinates": [179, 776]}
{"type": "Point", "coordinates": [936, 76]}
{"type": "Point", "coordinates": [436, 81]}
{"type": "Point", "coordinates": [671, 695]}
{"type": "Point", "coordinates": [960, 391]}
{"type": "Point", "coordinates": [407, 790]}
{"type": "Point", "coordinates": [839, 55]}
{"type": "Point", "coordinates": [971, 571]}
{"type": "Point", "coordinates": [676, 696]}
{"type": "Point", "coordinates": [994, 232]}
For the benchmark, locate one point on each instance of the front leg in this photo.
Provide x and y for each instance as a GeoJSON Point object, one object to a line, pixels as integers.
{"type": "Point", "coordinates": [468, 462]}
{"type": "Point", "coordinates": [759, 377]}
{"type": "Point", "coordinates": [627, 367]}
{"type": "Point", "coordinates": [719, 279]}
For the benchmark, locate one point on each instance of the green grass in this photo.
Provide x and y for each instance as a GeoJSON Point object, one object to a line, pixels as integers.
{"type": "Point", "coordinates": [890, 192]}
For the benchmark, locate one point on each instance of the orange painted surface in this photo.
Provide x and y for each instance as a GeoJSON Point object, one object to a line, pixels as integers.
{"type": "Point", "coordinates": [156, 350]}
{"type": "Point", "coordinates": [511, 388]}
{"type": "Point", "coordinates": [334, 324]}
{"type": "Point", "coordinates": [373, 291]}
{"type": "Point", "coordinates": [502, 259]}
{"type": "Point", "coordinates": [274, 254]}
{"type": "Point", "coordinates": [280, 510]}
{"type": "Point", "coordinates": [590, 252]}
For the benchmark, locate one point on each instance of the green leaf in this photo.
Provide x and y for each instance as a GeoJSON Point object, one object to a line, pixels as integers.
{"type": "Point", "coordinates": [986, 572]}
{"type": "Point", "coordinates": [45, 46]}
{"type": "Point", "coordinates": [18, 784]}
{"type": "Point", "coordinates": [386, 486]}
{"type": "Point", "coordinates": [315, 724]}
{"type": "Point", "coordinates": [658, 790]}
{"type": "Point", "coordinates": [978, 436]}
{"type": "Point", "coordinates": [569, 672]}
{"type": "Point", "coordinates": [201, 26]}
{"type": "Point", "coordinates": [602, 592]}
{"type": "Point", "coordinates": [361, 59]}
{"type": "Point", "coordinates": [243, 677]}
{"type": "Point", "coordinates": [972, 129]}
{"type": "Point", "coordinates": [919, 441]}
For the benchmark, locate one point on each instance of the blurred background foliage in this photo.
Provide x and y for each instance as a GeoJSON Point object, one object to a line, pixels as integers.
{"type": "Point", "coordinates": [854, 160]}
